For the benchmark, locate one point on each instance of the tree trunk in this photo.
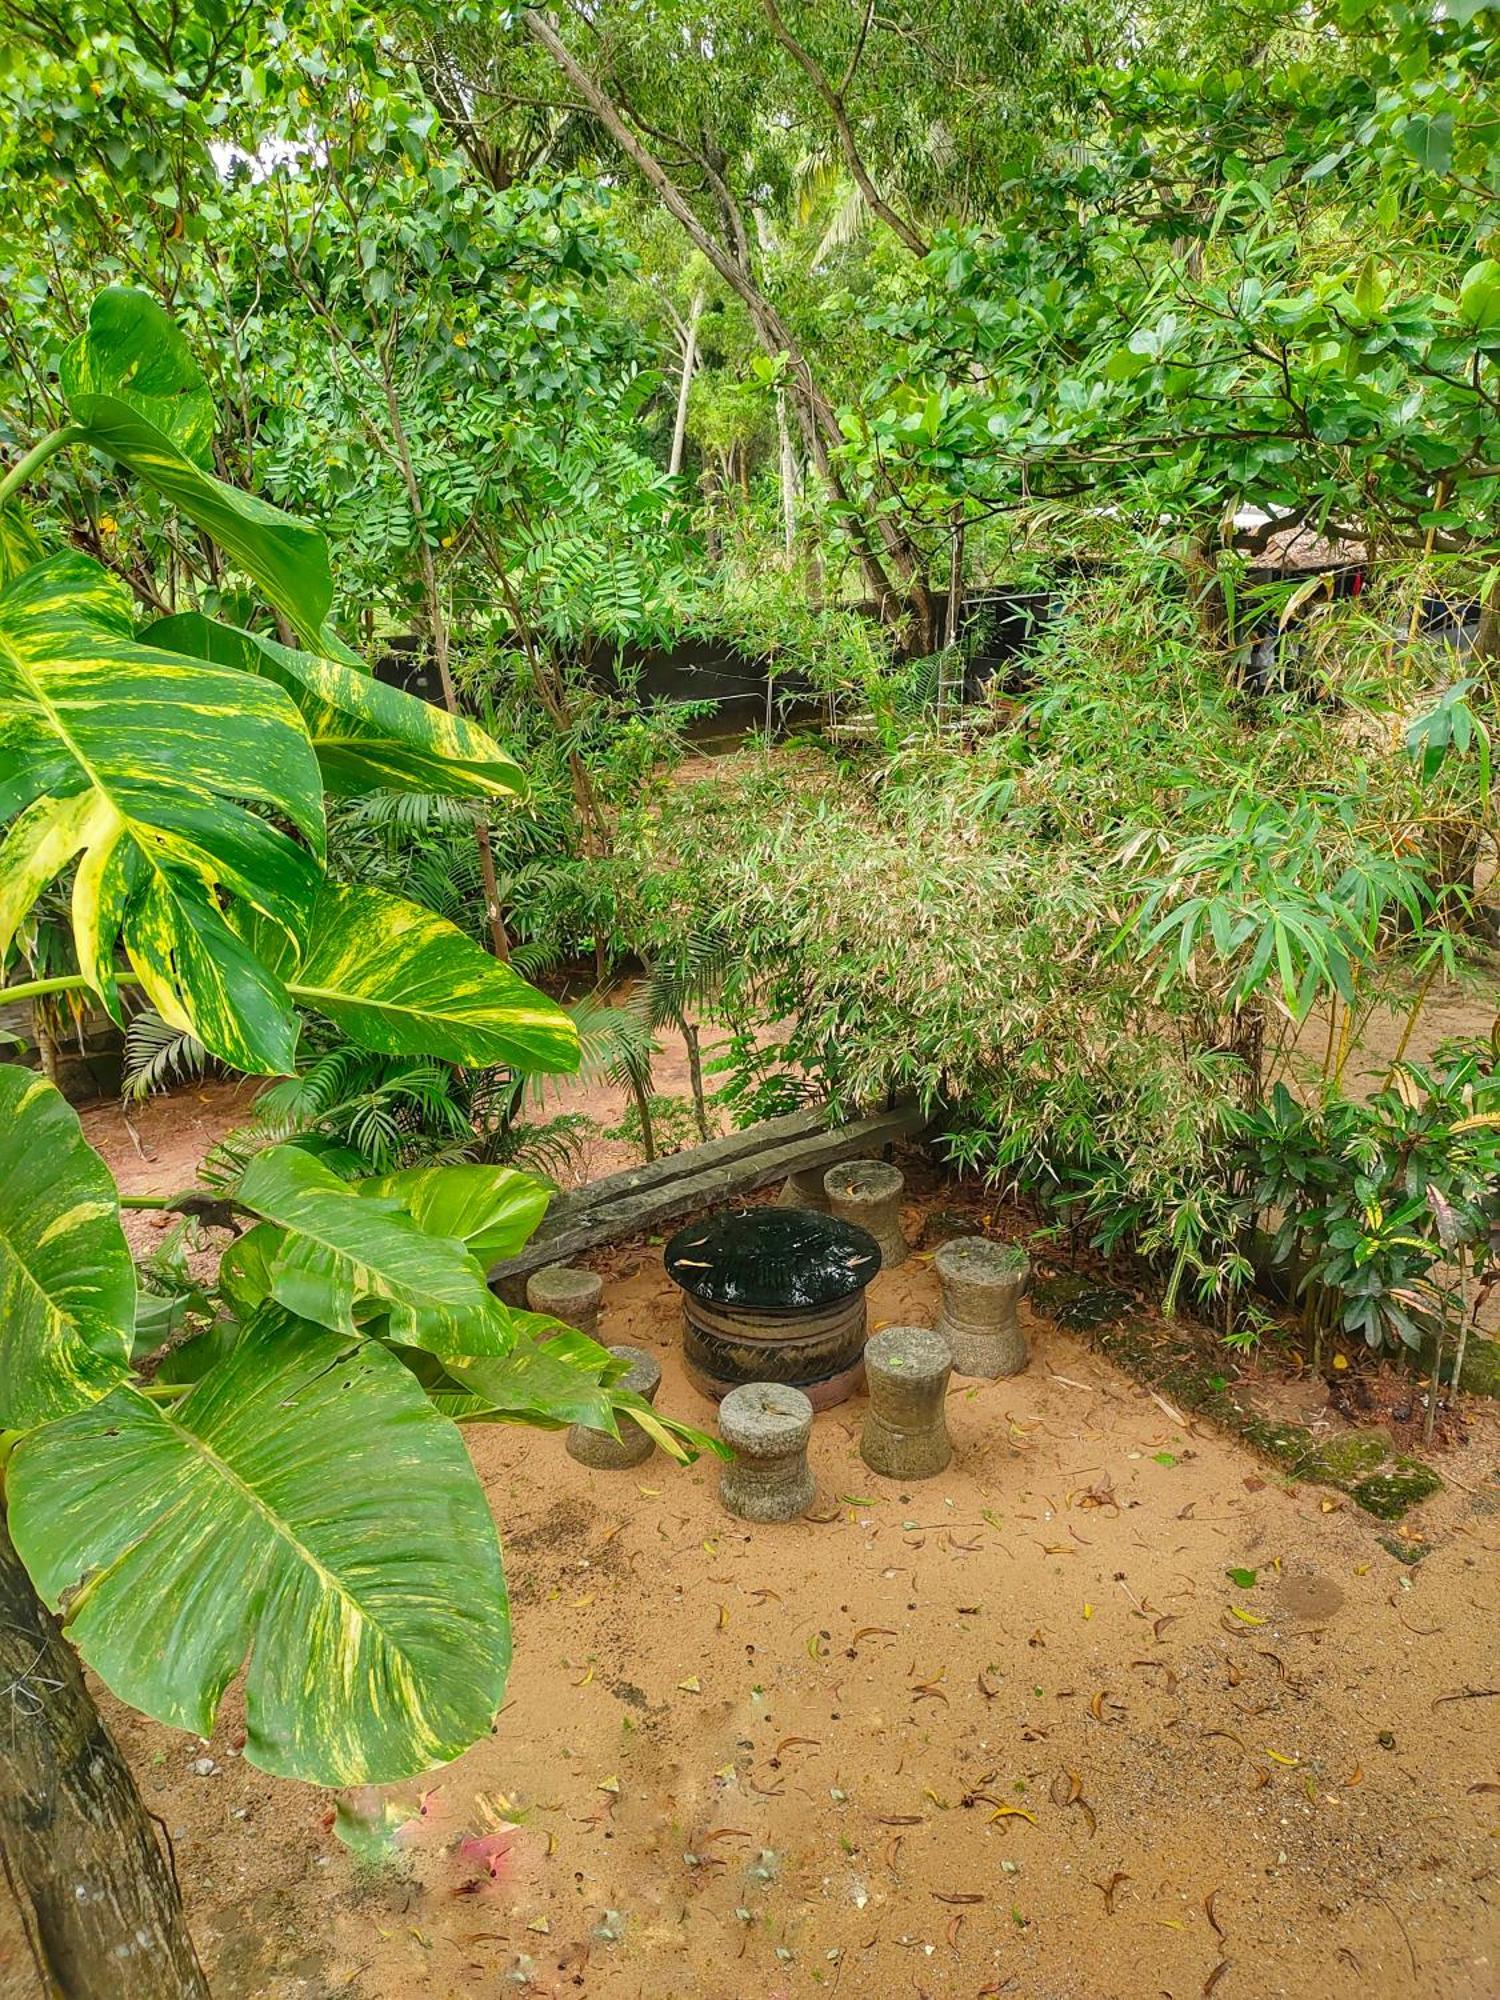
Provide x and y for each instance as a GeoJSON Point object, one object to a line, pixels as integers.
{"type": "Point", "coordinates": [955, 578]}
{"type": "Point", "coordinates": [695, 1074]}
{"type": "Point", "coordinates": [788, 475]}
{"type": "Point", "coordinates": [98, 1900]}
{"type": "Point", "coordinates": [1487, 638]}
{"type": "Point", "coordinates": [689, 359]}
{"type": "Point", "coordinates": [642, 1096]}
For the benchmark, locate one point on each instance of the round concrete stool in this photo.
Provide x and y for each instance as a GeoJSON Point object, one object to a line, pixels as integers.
{"type": "Point", "coordinates": [803, 1188]}
{"type": "Point", "coordinates": [906, 1430]}
{"type": "Point", "coordinates": [768, 1425]}
{"type": "Point", "coordinates": [566, 1293]}
{"type": "Point", "coordinates": [983, 1283]}
{"type": "Point", "coordinates": [869, 1192]}
{"type": "Point", "coordinates": [633, 1446]}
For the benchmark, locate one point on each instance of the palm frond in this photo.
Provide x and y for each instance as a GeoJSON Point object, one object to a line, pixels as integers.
{"type": "Point", "coordinates": [157, 1056]}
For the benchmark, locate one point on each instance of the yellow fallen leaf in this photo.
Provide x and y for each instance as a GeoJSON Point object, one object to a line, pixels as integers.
{"type": "Point", "coordinates": [610, 1785]}
{"type": "Point", "coordinates": [649, 1492]}
{"type": "Point", "coordinates": [1011, 1812]}
{"type": "Point", "coordinates": [583, 1683]}
{"type": "Point", "coordinates": [539, 1924]}
{"type": "Point", "coordinates": [1276, 1756]}
{"type": "Point", "coordinates": [1088, 1610]}
{"type": "Point", "coordinates": [1245, 1617]}
{"type": "Point", "coordinates": [692, 1685]}
{"type": "Point", "coordinates": [723, 1616]}
{"type": "Point", "coordinates": [1169, 1923]}
{"type": "Point", "coordinates": [726, 1771]}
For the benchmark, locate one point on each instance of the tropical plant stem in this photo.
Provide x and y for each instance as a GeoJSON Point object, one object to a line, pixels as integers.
{"type": "Point", "coordinates": [66, 982]}
{"type": "Point", "coordinates": [24, 467]}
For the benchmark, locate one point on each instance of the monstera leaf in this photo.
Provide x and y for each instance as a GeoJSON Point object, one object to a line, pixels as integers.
{"type": "Point", "coordinates": [136, 761]}
{"type": "Point", "coordinates": [342, 1255]}
{"type": "Point", "coordinates": [302, 1513]}
{"type": "Point", "coordinates": [401, 981]}
{"type": "Point", "coordinates": [368, 736]}
{"type": "Point", "coordinates": [67, 1285]}
{"type": "Point", "coordinates": [137, 395]}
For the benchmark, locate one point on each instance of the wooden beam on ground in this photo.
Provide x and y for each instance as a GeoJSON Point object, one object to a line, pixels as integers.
{"type": "Point", "coordinates": [625, 1204]}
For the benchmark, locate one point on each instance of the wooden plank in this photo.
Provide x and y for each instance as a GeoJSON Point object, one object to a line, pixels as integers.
{"type": "Point", "coordinates": [624, 1204]}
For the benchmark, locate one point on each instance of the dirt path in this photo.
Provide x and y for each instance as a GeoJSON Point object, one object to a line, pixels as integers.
{"type": "Point", "coordinates": [1014, 1730]}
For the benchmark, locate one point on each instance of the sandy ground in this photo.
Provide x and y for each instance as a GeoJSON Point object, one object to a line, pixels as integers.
{"type": "Point", "coordinates": [1011, 1730]}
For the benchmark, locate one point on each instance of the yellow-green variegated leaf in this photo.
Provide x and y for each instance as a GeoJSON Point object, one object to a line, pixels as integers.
{"type": "Point", "coordinates": [554, 1375]}
{"type": "Point", "coordinates": [145, 765]}
{"type": "Point", "coordinates": [368, 736]}
{"type": "Point", "coordinates": [401, 981]}
{"type": "Point", "coordinates": [67, 1285]}
{"type": "Point", "coordinates": [133, 349]}
{"type": "Point", "coordinates": [344, 1258]}
{"type": "Point", "coordinates": [493, 1211]}
{"type": "Point", "coordinates": [133, 387]}
{"type": "Point", "coordinates": [19, 547]}
{"type": "Point", "coordinates": [543, 1381]}
{"type": "Point", "coordinates": [303, 1514]}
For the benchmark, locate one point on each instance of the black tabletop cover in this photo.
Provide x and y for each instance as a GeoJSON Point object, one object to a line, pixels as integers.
{"type": "Point", "coordinates": [772, 1259]}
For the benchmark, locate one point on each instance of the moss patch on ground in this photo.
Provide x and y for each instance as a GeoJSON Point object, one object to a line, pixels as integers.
{"type": "Point", "coordinates": [1364, 1464]}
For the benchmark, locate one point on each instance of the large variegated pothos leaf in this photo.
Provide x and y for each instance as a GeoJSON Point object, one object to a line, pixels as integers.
{"type": "Point", "coordinates": [134, 389]}
{"type": "Point", "coordinates": [344, 1260]}
{"type": "Point", "coordinates": [368, 736]}
{"type": "Point", "coordinates": [493, 1211]}
{"type": "Point", "coordinates": [134, 350]}
{"type": "Point", "coordinates": [554, 1375]}
{"type": "Point", "coordinates": [67, 1285]}
{"type": "Point", "coordinates": [302, 1513]}
{"type": "Point", "coordinates": [145, 765]}
{"type": "Point", "coordinates": [401, 981]}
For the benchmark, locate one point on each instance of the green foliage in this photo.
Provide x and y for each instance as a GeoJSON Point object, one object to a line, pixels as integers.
{"type": "Point", "coordinates": [67, 1286]}
{"type": "Point", "coordinates": [1379, 1199]}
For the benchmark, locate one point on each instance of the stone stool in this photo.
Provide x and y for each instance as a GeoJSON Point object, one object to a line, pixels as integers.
{"type": "Point", "coordinates": [768, 1425]}
{"type": "Point", "coordinates": [633, 1446]}
{"type": "Point", "coordinates": [869, 1192]}
{"type": "Point", "coordinates": [906, 1430]}
{"type": "Point", "coordinates": [982, 1283]}
{"type": "Point", "coordinates": [566, 1293]}
{"type": "Point", "coordinates": [803, 1188]}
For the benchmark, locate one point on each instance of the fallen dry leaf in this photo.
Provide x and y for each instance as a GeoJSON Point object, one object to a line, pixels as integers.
{"type": "Point", "coordinates": [1065, 1788]}
{"type": "Point", "coordinates": [1107, 1890]}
